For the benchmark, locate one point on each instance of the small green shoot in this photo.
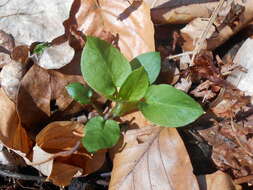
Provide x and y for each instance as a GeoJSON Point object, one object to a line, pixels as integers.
{"type": "Point", "coordinates": [109, 73]}
{"type": "Point", "coordinates": [40, 48]}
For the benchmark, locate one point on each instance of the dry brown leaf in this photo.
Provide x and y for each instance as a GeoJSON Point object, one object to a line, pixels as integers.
{"type": "Point", "coordinates": [56, 56]}
{"type": "Point", "coordinates": [29, 21]}
{"type": "Point", "coordinates": [180, 12]}
{"type": "Point", "coordinates": [152, 158]}
{"type": "Point", "coordinates": [62, 136]}
{"type": "Point", "coordinates": [130, 24]}
{"type": "Point", "coordinates": [232, 22]}
{"type": "Point", "coordinates": [217, 181]}
{"type": "Point", "coordinates": [38, 89]}
{"type": "Point", "coordinates": [11, 132]}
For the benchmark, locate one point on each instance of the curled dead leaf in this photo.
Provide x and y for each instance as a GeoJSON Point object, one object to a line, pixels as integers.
{"type": "Point", "coordinates": [58, 137]}
{"type": "Point", "coordinates": [12, 134]}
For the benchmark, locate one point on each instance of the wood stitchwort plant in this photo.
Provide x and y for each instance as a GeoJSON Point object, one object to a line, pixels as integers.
{"type": "Point", "coordinates": [129, 85]}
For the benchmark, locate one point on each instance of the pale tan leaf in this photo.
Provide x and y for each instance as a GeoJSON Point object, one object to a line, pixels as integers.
{"type": "Point", "coordinates": [152, 158]}
{"type": "Point", "coordinates": [39, 155]}
{"type": "Point", "coordinates": [217, 181]}
{"type": "Point", "coordinates": [104, 18]}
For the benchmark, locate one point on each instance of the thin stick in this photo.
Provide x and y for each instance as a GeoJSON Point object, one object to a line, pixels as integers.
{"type": "Point", "coordinates": [200, 41]}
{"type": "Point", "coordinates": [62, 154]}
{"type": "Point", "coordinates": [180, 54]}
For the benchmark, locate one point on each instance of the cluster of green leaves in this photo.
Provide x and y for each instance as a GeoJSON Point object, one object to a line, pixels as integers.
{"type": "Point", "coordinates": [129, 84]}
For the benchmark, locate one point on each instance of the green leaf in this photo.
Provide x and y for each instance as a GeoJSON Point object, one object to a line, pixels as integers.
{"type": "Point", "coordinates": [169, 107]}
{"type": "Point", "coordinates": [80, 93]}
{"type": "Point", "coordinates": [103, 66]}
{"type": "Point", "coordinates": [151, 61]}
{"type": "Point", "coordinates": [121, 108]}
{"type": "Point", "coordinates": [39, 48]}
{"type": "Point", "coordinates": [100, 134]}
{"type": "Point", "coordinates": [135, 86]}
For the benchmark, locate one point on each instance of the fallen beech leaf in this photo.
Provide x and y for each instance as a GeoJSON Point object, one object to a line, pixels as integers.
{"type": "Point", "coordinates": [30, 21]}
{"type": "Point", "coordinates": [33, 100]}
{"type": "Point", "coordinates": [152, 158]}
{"type": "Point", "coordinates": [40, 88]}
{"type": "Point", "coordinates": [62, 136]}
{"type": "Point", "coordinates": [62, 174]}
{"type": "Point", "coordinates": [12, 134]}
{"type": "Point", "coordinates": [217, 181]}
{"type": "Point", "coordinates": [10, 76]}
{"type": "Point", "coordinates": [243, 80]}
{"type": "Point", "coordinates": [131, 24]}
{"type": "Point", "coordinates": [56, 56]}
{"type": "Point", "coordinates": [180, 12]}
{"type": "Point", "coordinates": [232, 22]}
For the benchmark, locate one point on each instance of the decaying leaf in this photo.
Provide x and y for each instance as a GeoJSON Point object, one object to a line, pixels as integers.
{"type": "Point", "coordinates": [31, 21]}
{"type": "Point", "coordinates": [152, 158]}
{"type": "Point", "coordinates": [232, 145]}
{"type": "Point", "coordinates": [59, 137]}
{"type": "Point", "coordinates": [56, 56]}
{"type": "Point", "coordinates": [238, 16]}
{"type": "Point", "coordinates": [12, 134]}
{"type": "Point", "coordinates": [217, 181]}
{"type": "Point", "coordinates": [129, 25]}
{"type": "Point", "coordinates": [42, 88]}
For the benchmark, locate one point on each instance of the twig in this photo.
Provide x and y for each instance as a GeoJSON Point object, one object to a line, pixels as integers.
{"type": "Point", "coordinates": [7, 173]}
{"type": "Point", "coordinates": [238, 140]}
{"type": "Point", "coordinates": [180, 54]}
{"type": "Point", "coordinates": [200, 41]}
{"type": "Point", "coordinates": [62, 154]}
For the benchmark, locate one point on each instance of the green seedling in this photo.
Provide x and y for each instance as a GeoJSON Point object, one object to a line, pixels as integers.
{"type": "Point", "coordinates": [129, 85]}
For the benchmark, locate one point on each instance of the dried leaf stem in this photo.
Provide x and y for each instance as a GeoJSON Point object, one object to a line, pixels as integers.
{"type": "Point", "coordinates": [63, 154]}
{"type": "Point", "coordinates": [200, 41]}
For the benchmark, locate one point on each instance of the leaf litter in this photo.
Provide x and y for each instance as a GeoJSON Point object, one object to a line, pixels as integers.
{"type": "Point", "coordinates": [37, 120]}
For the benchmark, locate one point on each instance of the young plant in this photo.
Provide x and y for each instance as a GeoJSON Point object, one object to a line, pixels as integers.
{"type": "Point", "coordinates": [129, 85]}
